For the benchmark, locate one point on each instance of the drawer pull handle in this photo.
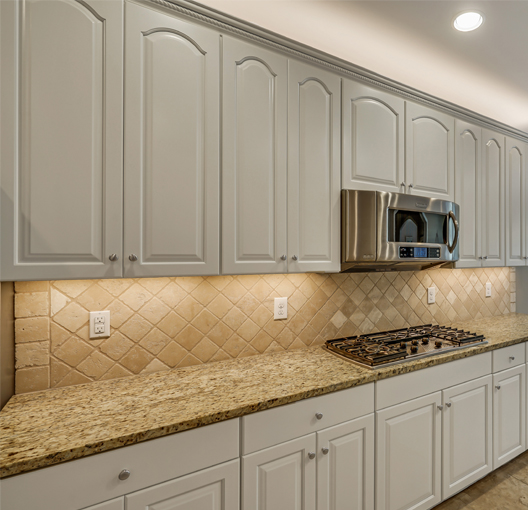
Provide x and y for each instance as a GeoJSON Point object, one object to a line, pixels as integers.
{"type": "Point", "coordinates": [124, 474]}
{"type": "Point", "coordinates": [497, 387]}
{"type": "Point", "coordinates": [311, 455]}
{"type": "Point", "coordinates": [512, 358]}
{"type": "Point", "coordinates": [319, 415]}
{"type": "Point", "coordinates": [448, 404]}
{"type": "Point", "coordinates": [325, 451]}
{"type": "Point", "coordinates": [440, 408]}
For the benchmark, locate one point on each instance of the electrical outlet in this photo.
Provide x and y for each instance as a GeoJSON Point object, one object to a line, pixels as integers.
{"type": "Point", "coordinates": [100, 324]}
{"type": "Point", "coordinates": [431, 295]}
{"type": "Point", "coordinates": [488, 289]}
{"type": "Point", "coordinates": [281, 308]}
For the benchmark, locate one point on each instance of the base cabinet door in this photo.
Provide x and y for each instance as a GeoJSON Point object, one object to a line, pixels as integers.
{"type": "Point", "coordinates": [215, 488]}
{"type": "Point", "coordinates": [113, 504]}
{"type": "Point", "coordinates": [345, 466]}
{"type": "Point", "coordinates": [408, 456]}
{"type": "Point", "coordinates": [467, 438]}
{"type": "Point", "coordinates": [281, 477]}
{"type": "Point", "coordinates": [509, 408]}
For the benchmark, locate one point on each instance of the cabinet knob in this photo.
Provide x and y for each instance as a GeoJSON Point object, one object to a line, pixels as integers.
{"type": "Point", "coordinates": [485, 257]}
{"type": "Point", "coordinates": [124, 474]}
{"type": "Point", "coordinates": [480, 258]}
{"type": "Point", "coordinates": [318, 415]}
{"type": "Point", "coordinates": [497, 387]}
{"type": "Point", "coordinates": [440, 408]}
{"type": "Point", "coordinates": [512, 358]}
{"type": "Point", "coordinates": [132, 257]}
{"type": "Point", "coordinates": [283, 257]}
{"type": "Point", "coordinates": [448, 404]}
{"type": "Point", "coordinates": [411, 185]}
{"type": "Point", "coordinates": [113, 257]}
{"type": "Point", "coordinates": [325, 451]}
{"type": "Point", "coordinates": [294, 257]}
{"type": "Point", "coordinates": [311, 455]}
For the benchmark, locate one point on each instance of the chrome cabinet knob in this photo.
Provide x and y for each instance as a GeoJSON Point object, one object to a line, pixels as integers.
{"type": "Point", "coordinates": [402, 184]}
{"type": "Point", "coordinates": [497, 387]}
{"type": "Point", "coordinates": [294, 257]}
{"type": "Point", "coordinates": [485, 257]}
{"type": "Point", "coordinates": [311, 455]}
{"type": "Point", "coordinates": [411, 185]}
{"type": "Point", "coordinates": [448, 404]}
{"type": "Point", "coordinates": [440, 408]}
{"type": "Point", "coordinates": [325, 451]}
{"type": "Point", "coordinates": [480, 258]}
{"type": "Point", "coordinates": [113, 257]}
{"type": "Point", "coordinates": [124, 474]}
{"type": "Point", "coordinates": [132, 257]}
{"type": "Point", "coordinates": [283, 257]}
{"type": "Point", "coordinates": [318, 415]}
{"type": "Point", "coordinates": [512, 358]}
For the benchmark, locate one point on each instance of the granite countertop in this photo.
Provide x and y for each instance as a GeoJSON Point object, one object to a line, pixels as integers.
{"type": "Point", "coordinates": [48, 427]}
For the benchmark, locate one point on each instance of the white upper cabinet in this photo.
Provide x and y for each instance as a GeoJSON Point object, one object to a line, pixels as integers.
{"type": "Point", "coordinates": [314, 173]}
{"type": "Point", "coordinates": [373, 138]}
{"type": "Point", "coordinates": [171, 146]}
{"type": "Point", "coordinates": [429, 152]}
{"type": "Point", "coordinates": [516, 254]}
{"type": "Point", "coordinates": [255, 82]}
{"type": "Point", "coordinates": [468, 151]}
{"type": "Point", "coordinates": [492, 209]}
{"type": "Point", "coordinates": [61, 139]}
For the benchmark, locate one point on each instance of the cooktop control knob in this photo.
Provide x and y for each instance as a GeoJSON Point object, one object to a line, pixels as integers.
{"type": "Point", "coordinates": [403, 345]}
{"type": "Point", "coordinates": [414, 349]}
{"type": "Point", "coordinates": [438, 344]}
{"type": "Point", "coordinates": [415, 342]}
{"type": "Point", "coordinates": [425, 340]}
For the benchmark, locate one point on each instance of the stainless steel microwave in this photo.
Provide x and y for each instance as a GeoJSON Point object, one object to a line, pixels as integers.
{"type": "Point", "coordinates": [384, 231]}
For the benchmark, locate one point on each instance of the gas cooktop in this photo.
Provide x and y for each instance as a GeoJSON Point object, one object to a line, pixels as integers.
{"type": "Point", "coordinates": [399, 345]}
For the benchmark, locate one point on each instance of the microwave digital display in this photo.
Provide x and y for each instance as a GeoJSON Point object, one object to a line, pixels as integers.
{"type": "Point", "coordinates": [419, 252]}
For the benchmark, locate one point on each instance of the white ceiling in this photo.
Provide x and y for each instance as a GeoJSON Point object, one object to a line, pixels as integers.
{"type": "Point", "coordinates": [414, 43]}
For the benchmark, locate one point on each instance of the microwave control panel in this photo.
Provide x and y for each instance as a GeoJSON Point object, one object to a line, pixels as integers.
{"type": "Point", "coordinates": [419, 252]}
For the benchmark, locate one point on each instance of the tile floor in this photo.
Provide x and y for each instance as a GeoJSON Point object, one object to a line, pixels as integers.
{"type": "Point", "coordinates": [505, 489]}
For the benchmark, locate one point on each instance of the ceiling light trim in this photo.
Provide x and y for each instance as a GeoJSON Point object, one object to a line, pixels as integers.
{"type": "Point", "coordinates": [468, 21]}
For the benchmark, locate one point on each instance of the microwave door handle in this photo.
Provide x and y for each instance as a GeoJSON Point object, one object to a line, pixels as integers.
{"type": "Point", "coordinates": [451, 247]}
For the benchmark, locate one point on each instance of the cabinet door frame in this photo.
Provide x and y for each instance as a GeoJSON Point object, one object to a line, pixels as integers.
{"type": "Point", "coordinates": [150, 165]}
{"type": "Point", "coordinates": [453, 400]}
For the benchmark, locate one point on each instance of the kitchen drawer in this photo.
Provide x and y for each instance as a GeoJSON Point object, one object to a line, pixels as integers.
{"type": "Point", "coordinates": [275, 426]}
{"type": "Point", "coordinates": [508, 357]}
{"type": "Point", "coordinates": [88, 481]}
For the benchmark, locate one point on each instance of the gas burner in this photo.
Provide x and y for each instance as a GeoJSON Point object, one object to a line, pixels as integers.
{"type": "Point", "coordinates": [396, 346]}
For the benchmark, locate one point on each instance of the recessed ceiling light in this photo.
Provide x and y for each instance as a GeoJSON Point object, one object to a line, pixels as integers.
{"type": "Point", "coordinates": [468, 21]}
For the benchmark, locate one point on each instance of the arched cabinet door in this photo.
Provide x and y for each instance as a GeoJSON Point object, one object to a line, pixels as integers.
{"type": "Point", "coordinates": [429, 152]}
{"type": "Point", "coordinates": [314, 178]}
{"type": "Point", "coordinates": [171, 146]}
{"type": "Point", "coordinates": [62, 139]}
{"type": "Point", "coordinates": [254, 178]}
{"type": "Point", "coordinates": [373, 139]}
{"type": "Point", "coordinates": [493, 195]}
{"type": "Point", "coordinates": [516, 202]}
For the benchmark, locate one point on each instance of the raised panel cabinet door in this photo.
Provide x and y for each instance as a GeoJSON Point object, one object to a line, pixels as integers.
{"type": "Point", "coordinates": [408, 454]}
{"type": "Point", "coordinates": [113, 504]}
{"type": "Point", "coordinates": [314, 170]}
{"type": "Point", "coordinates": [345, 466]}
{"type": "Point", "coordinates": [254, 180]}
{"type": "Point", "coordinates": [61, 139]}
{"type": "Point", "coordinates": [515, 202]}
{"type": "Point", "coordinates": [468, 152]}
{"type": "Point", "coordinates": [281, 477]}
{"type": "Point", "coordinates": [429, 152]}
{"type": "Point", "coordinates": [215, 488]}
{"type": "Point", "coordinates": [467, 437]}
{"type": "Point", "coordinates": [493, 194]}
{"type": "Point", "coordinates": [172, 174]}
{"type": "Point", "coordinates": [373, 139]}
{"type": "Point", "coordinates": [509, 415]}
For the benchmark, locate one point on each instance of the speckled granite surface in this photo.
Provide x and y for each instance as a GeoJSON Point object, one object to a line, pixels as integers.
{"type": "Point", "coordinates": [44, 428]}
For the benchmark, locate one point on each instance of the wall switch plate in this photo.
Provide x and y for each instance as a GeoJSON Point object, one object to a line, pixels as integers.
{"type": "Point", "coordinates": [281, 308]}
{"type": "Point", "coordinates": [100, 324]}
{"type": "Point", "coordinates": [431, 295]}
{"type": "Point", "coordinates": [488, 289]}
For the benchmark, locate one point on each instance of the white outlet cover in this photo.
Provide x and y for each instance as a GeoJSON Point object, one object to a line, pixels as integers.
{"type": "Point", "coordinates": [431, 295]}
{"type": "Point", "coordinates": [280, 308]}
{"type": "Point", "coordinates": [100, 324]}
{"type": "Point", "coordinates": [488, 289]}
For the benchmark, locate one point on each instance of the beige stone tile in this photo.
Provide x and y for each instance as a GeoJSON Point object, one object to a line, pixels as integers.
{"type": "Point", "coordinates": [234, 346]}
{"type": "Point", "coordinates": [296, 323]}
{"type": "Point", "coordinates": [274, 347]}
{"type": "Point", "coordinates": [31, 286]}
{"type": "Point", "coordinates": [297, 278]}
{"type": "Point", "coordinates": [95, 365]}
{"type": "Point", "coordinates": [189, 361]}
{"type": "Point", "coordinates": [220, 306]}
{"type": "Point", "coordinates": [261, 341]}
{"type": "Point", "coordinates": [220, 282]}
{"type": "Point", "coordinates": [116, 346]}
{"type": "Point", "coordinates": [205, 321]}
{"type": "Point", "coordinates": [172, 295]}
{"type": "Point", "coordinates": [189, 308]}
{"type": "Point", "coordinates": [261, 316]}
{"type": "Point", "coordinates": [73, 351]}
{"type": "Point", "coordinates": [172, 324]}
{"type": "Point", "coordinates": [58, 371]}
{"type": "Point", "coordinates": [153, 285]}
{"type": "Point", "coordinates": [72, 288]}
{"type": "Point", "coordinates": [136, 359]}
{"type": "Point", "coordinates": [286, 288]}
{"type": "Point", "coordinates": [204, 293]}
{"type": "Point", "coordinates": [31, 379]}
{"type": "Point", "coordinates": [273, 328]}
{"type": "Point", "coordinates": [309, 288]}
{"type": "Point", "coordinates": [73, 378]}
{"type": "Point", "coordinates": [31, 304]}
{"type": "Point", "coordinates": [189, 337]}
{"type": "Point", "coordinates": [136, 328]}
{"type": "Point", "coordinates": [220, 355]}
{"type": "Point", "coordinates": [135, 296]}
{"type": "Point", "coordinates": [32, 354]}
{"type": "Point", "coordinates": [249, 303]}
{"type": "Point", "coordinates": [155, 341]}
{"type": "Point", "coordinates": [189, 283]}
{"type": "Point", "coordinates": [33, 329]}
{"type": "Point", "coordinates": [205, 350]}
{"type": "Point", "coordinates": [248, 330]}
{"type": "Point", "coordinates": [115, 372]}
{"type": "Point", "coordinates": [119, 313]}
{"type": "Point", "coordinates": [58, 301]}
{"type": "Point", "coordinates": [115, 287]}
{"type": "Point", "coordinates": [154, 310]}
{"type": "Point", "coordinates": [172, 354]}
{"type": "Point", "coordinates": [220, 334]}
{"type": "Point", "coordinates": [297, 300]}
{"type": "Point", "coordinates": [307, 335]}
{"type": "Point", "coordinates": [234, 318]}
{"type": "Point", "coordinates": [95, 299]}
{"type": "Point", "coordinates": [285, 338]}
{"type": "Point", "coordinates": [234, 291]}
{"type": "Point", "coordinates": [154, 366]}
{"type": "Point", "coordinates": [58, 335]}
{"type": "Point", "coordinates": [248, 351]}
{"type": "Point", "coordinates": [296, 344]}
{"type": "Point", "coordinates": [72, 317]}
{"type": "Point", "coordinates": [274, 280]}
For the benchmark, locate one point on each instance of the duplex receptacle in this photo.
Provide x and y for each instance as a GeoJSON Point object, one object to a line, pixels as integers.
{"type": "Point", "coordinates": [100, 324]}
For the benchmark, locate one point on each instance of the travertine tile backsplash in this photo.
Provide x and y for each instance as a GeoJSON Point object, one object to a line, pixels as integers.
{"type": "Point", "coordinates": [163, 323]}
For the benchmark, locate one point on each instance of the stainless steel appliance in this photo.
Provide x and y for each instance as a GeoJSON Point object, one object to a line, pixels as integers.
{"type": "Point", "coordinates": [384, 231]}
{"type": "Point", "coordinates": [399, 345]}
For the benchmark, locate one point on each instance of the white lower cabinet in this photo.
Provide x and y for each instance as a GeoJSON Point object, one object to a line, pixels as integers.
{"type": "Point", "coordinates": [509, 408]}
{"type": "Point", "coordinates": [113, 504]}
{"type": "Point", "coordinates": [216, 488]}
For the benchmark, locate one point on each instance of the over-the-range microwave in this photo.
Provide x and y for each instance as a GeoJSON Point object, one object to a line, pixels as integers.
{"type": "Point", "coordinates": [384, 231]}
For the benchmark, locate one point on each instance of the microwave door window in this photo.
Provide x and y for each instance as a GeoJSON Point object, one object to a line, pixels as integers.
{"type": "Point", "coordinates": [408, 227]}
